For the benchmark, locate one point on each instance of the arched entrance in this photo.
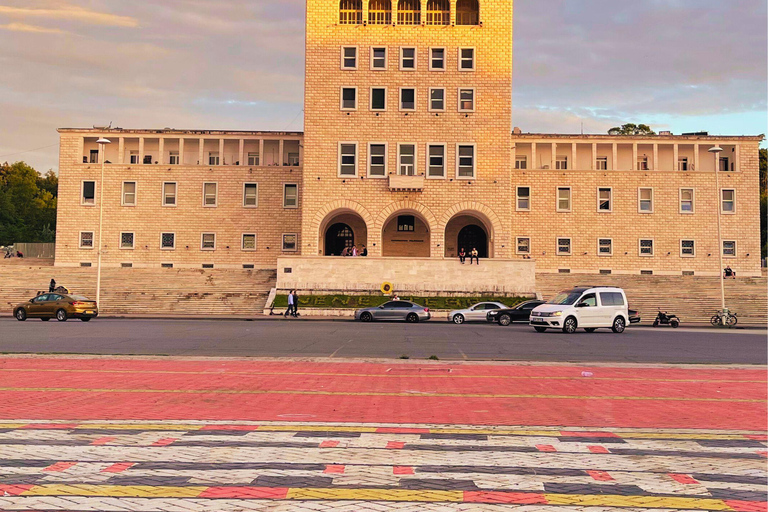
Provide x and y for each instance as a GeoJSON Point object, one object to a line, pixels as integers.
{"type": "Point", "coordinates": [337, 238]}
{"type": "Point", "coordinates": [471, 237]}
{"type": "Point", "coordinates": [406, 235]}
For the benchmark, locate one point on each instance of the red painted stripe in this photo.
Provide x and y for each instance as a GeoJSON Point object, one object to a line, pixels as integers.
{"type": "Point", "coordinates": [545, 448]}
{"type": "Point", "coordinates": [395, 445]}
{"type": "Point", "coordinates": [763, 453]}
{"type": "Point", "coordinates": [118, 467]}
{"type": "Point", "coordinates": [757, 437]}
{"type": "Point", "coordinates": [265, 493]}
{"type": "Point", "coordinates": [50, 426]}
{"type": "Point", "coordinates": [587, 434]}
{"type": "Point", "coordinates": [601, 476]}
{"type": "Point", "coordinates": [393, 430]}
{"type": "Point", "coordinates": [165, 441]}
{"type": "Point", "coordinates": [334, 469]}
{"type": "Point", "coordinates": [329, 444]}
{"type": "Point", "coordinates": [230, 427]}
{"type": "Point", "coordinates": [60, 466]}
{"type": "Point", "coordinates": [683, 479]}
{"type": "Point", "coordinates": [504, 497]}
{"type": "Point", "coordinates": [102, 441]}
{"type": "Point", "coordinates": [598, 449]}
{"type": "Point", "coordinates": [14, 490]}
{"type": "Point", "coordinates": [402, 470]}
{"type": "Point", "coordinates": [747, 506]}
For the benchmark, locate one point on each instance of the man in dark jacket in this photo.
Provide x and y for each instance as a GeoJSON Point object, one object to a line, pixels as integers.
{"type": "Point", "coordinates": [52, 286]}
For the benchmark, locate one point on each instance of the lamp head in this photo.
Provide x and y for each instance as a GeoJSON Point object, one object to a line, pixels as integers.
{"type": "Point", "coordinates": [716, 149]}
{"type": "Point", "coordinates": [103, 141]}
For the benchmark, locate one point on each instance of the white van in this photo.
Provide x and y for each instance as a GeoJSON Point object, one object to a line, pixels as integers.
{"type": "Point", "coordinates": [584, 307]}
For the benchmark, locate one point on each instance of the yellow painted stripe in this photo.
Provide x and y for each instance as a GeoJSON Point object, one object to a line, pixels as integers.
{"type": "Point", "coordinates": [134, 426]}
{"type": "Point", "coordinates": [375, 495]}
{"type": "Point", "coordinates": [661, 435]}
{"type": "Point", "coordinates": [610, 500]}
{"type": "Point", "coordinates": [381, 375]}
{"type": "Point", "coordinates": [313, 428]}
{"type": "Point", "coordinates": [114, 491]}
{"type": "Point", "coordinates": [374, 393]}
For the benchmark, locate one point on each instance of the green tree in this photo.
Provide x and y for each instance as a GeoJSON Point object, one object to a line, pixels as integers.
{"type": "Point", "coordinates": [27, 204]}
{"type": "Point", "coordinates": [631, 129]}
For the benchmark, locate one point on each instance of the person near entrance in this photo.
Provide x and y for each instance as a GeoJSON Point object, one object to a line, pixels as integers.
{"type": "Point", "coordinates": [463, 256]}
{"type": "Point", "coordinates": [52, 286]}
{"type": "Point", "coordinates": [474, 254]}
{"type": "Point", "coordinates": [364, 251]}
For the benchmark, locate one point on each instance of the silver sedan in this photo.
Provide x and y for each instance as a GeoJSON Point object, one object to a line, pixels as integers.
{"type": "Point", "coordinates": [476, 313]}
{"type": "Point", "coordinates": [394, 310]}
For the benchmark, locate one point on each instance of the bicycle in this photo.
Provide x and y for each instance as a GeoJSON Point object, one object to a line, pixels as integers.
{"type": "Point", "coordinates": [724, 318]}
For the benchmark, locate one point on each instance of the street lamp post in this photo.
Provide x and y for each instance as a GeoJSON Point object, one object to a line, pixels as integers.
{"type": "Point", "coordinates": [716, 152]}
{"type": "Point", "coordinates": [102, 142]}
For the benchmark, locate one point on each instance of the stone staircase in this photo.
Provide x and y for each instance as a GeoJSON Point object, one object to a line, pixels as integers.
{"type": "Point", "coordinates": [693, 298]}
{"type": "Point", "coordinates": [193, 292]}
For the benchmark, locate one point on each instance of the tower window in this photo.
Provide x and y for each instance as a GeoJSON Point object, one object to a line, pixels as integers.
{"type": "Point", "coordinates": [438, 12]}
{"type": "Point", "coordinates": [380, 12]}
{"type": "Point", "coordinates": [351, 12]}
{"type": "Point", "coordinates": [409, 12]}
{"type": "Point", "coordinates": [467, 12]}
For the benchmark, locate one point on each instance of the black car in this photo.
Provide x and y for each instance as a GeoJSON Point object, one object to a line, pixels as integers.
{"type": "Point", "coordinates": [519, 313]}
{"type": "Point", "coordinates": [634, 316]}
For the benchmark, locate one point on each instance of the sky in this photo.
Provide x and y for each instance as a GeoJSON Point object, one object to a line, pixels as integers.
{"type": "Point", "coordinates": [680, 65]}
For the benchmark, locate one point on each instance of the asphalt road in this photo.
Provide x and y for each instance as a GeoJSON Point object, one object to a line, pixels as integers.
{"type": "Point", "coordinates": [348, 339]}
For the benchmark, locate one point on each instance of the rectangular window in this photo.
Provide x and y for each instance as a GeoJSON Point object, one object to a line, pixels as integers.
{"type": "Point", "coordinates": [249, 242]}
{"type": "Point", "coordinates": [86, 239]}
{"type": "Point", "coordinates": [378, 98]}
{"type": "Point", "coordinates": [210, 194]}
{"type": "Point", "coordinates": [645, 200]}
{"type": "Point", "coordinates": [604, 200]}
{"type": "Point", "coordinates": [602, 163]}
{"type": "Point", "coordinates": [687, 248]}
{"type": "Point", "coordinates": [290, 242]}
{"type": "Point", "coordinates": [436, 163]}
{"type": "Point", "coordinates": [728, 200]}
{"type": "Point", "coordinates": [686, 200]}
{"type": "Point", "coordinates": [523, 199]}
{"type": "Point", "coordinates": [604, 247]}
{"type": "Point", "coordinates": [134, 157]}
{"type": "Point", "coordinates": [148, 159]}
{"type": "Point", "coordinates": [348, 98]}
{"type": "Point", "coordinates": [169, 194]}
{"type": "Point", "coordinates": [173, 158]}
{"type": "Point", "coordinates": [347, 159]}
{"type": "Point", "coordinates": [646, 247]}
{"type": "Point", "coordinates": [126, 240]}
{"type": "Point", "coordinates": [465, 160]}
{"type": "Point", "coordinates": [349, 57]}
{"type": "Point", "coordinates": [682, 164]}
{"type": "Point", "coordinates": [253, 158]}
{"type": "Point", "coordinates": [406, 223]}
{"type": "Point", "coordinates": [729, 248]}
{"type": "Point", "coordinates": [213, 158]}
{"type": "Point", "coordinates": [407, 59]}
{"type": "Point", "coordinates": [208, 241]}
{"type": "Point", "coordinates": [378, 58]}
{"type": "Point", "coordinates": [642, 163]}
{"type": "Point", "coordinates": [466, 59]}
{"type": "Point", "coordinates": [94, 156]}
{"type": "Point", "coordinates": [89, 193]}
{"type": "Point", "coordinates": [250, 195]}
{"type": "Point", "coordinates": [466, 100]}
{"type": "Point", "coordinates": [290, 195]}
{"type": "Point", "coordinates": [129, 193]}
{"type": "Point", "coordinates": [437, 59]}
{"type": "Point", "coordinates": [168, 241]}
{"type": "Point", "coordinates": [407, 99]}
{"type": "Point", "coordinates": [564, 199]}
{"type": "Point", "coordinates": [561, 163]}
{"type": "Point", "coordinates": [521, 162]}
{"type": "Point", "coordinates": [524, 245]}
{"type": "Point", "coordinates": [377, 160]}
{"type": "Point", "coordinates": [406, 156]}
{"type": "Point", "coordinates": [724, 164]}
{"type": "Point", "coordinates": [564, 246]}
{"type": "Point", "coordinates": [437, 100]}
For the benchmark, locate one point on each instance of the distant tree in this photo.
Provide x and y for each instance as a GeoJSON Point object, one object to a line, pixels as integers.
{"type": "Point", "coordinates": [631, 129]}
{"type": "Point", "coordinates": [27, 204]}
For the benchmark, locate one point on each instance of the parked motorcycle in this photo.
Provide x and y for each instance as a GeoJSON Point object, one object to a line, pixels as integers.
{"type": "Point", "coordinates": [664, 318]}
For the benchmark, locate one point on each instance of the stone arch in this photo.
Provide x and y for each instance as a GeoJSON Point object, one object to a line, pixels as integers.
{"type": "Point", "coordinates": [420, 211]}
{"type": "Point", "coordinates": [485, 215]}
{"type": "Point", "coordinates": [332, 210]}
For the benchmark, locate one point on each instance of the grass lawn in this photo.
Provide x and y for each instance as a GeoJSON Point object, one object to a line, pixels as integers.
{"type": "Point", "coordinates": [364, 301]}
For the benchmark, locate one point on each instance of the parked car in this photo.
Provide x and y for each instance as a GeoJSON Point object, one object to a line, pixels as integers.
{"type": "Point", "coordinates": [57, 305]}
{"type": "Point", "coordinates": [589, 308]}
{"type": "Point", "coordinates": [475, 313]}
{"type": "Point", "coordinates": [519, 313]}
{"type": "Point", "coordinates": [394, 310]}
{"type": "Point", "coordinates": [634, 316]}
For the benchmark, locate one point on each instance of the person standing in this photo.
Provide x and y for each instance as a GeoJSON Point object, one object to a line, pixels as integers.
{"type": "Point", "coordinates": [463, 256]}
{"type": "Point", "coordinates": [52, 286]}
{"type": "Point", "coordinates": [289, 311]}
{"type": "Point", "coordinates": [474, 254]}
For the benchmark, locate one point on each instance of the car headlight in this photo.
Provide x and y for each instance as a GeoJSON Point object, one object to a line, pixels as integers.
{"type": "Point", "coordinates": [557, 313]}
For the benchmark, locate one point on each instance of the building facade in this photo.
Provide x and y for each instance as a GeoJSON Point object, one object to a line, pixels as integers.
{"type": "Point", "coordinates": [408, 149]}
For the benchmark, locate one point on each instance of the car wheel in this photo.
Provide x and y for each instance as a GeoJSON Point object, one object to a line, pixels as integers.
{"type": "Point", "coordinates": [85, 319]}
{"type": "Point", "coordinates": [590, 329]}
{"type": "Point", "coordinates": [505, 320]}
{"type": "Point", "coordinates": [619, 325]}
{"type": "Point", "coordinates": [540, 329]}
{"type": "Point", "coordinates": [675, 324]}
{"type": "Point", "coordinates": [61, 315]}
{"type": "Point", "coordinates": [412, 318]}
{"type": "Point", "coordinates": [366, 317]}
{"type": "Point", "coordinates": [569, 326]}
{"type": "Point", "coordinates": [458, 319]}
{"type": "Point", "coordinates": [20, 315]}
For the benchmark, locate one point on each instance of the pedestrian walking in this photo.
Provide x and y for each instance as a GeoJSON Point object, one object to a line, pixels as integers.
{"type": "Point", "coordinates": [52, 286]}
{"type": "Point", "coordinates": [463, 256]}
{"type": "Point", "coordinates": [474, 254]}
{"type": "Point", "coordinates": [289, 311]}
{"type": "Point", "coordinates": [295, 304]}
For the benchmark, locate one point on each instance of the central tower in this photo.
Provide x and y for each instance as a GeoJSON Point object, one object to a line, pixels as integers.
{"type": "Point", "coordinates": [407, 127]}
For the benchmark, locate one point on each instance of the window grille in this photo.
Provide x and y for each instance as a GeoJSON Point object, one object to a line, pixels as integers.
{"type": "Point", "coordinates": [467, 12]}
{"type": "Point", "coordinates": [380, 12]}
{"type": "Point", "coordinates": [438, 12]}
{"type": "Point", "coordinates": [409, 12]}
{"type": "Point", "coordinates": [351, 12]}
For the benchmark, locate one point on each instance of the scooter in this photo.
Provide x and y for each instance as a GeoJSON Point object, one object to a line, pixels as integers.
{"type": "Point", "coordinates": [666, 319]}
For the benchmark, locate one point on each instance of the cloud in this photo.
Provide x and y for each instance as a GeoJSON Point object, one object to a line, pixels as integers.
{"type": "Point", "coordinates": [23, 27]}
{"type": "Point", "coordinates": [71, 12]}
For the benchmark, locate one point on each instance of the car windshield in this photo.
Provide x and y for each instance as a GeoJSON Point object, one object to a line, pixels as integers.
{"type": "Point", "coordinates": [565, 298]}
{"type": "Point", "coordinates": [79, 297]}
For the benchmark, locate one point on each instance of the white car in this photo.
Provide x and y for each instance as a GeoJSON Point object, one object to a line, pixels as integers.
{"type": "Point", "coordinates": [475, 313]}
{"type": "Point", "coordinates": [584, 307]}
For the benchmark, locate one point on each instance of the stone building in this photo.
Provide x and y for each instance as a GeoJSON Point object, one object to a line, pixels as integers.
{"type": "Point", "coordinates": [409, 149]}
